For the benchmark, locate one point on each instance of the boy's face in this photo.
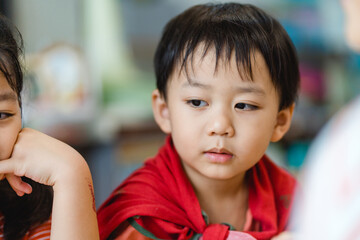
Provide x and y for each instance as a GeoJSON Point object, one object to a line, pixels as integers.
{"type": "Point", "coordinates": [221, 125]}
{"type": "Point", "coordinates": [10, 118]}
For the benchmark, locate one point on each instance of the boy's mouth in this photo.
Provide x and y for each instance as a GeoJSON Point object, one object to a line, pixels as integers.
{"type": "Point", "coordinates": [218, 155]}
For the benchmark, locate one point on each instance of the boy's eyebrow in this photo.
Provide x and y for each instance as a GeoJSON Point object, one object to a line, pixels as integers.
{"type": "Point", "coordinates": [192, 83]}
{"type": "Point", "coordinates": [251, 89]}
{"type": "Point", "coordinates": [8, 96]}
{"type": "Point", "coordinates": [247, 89]}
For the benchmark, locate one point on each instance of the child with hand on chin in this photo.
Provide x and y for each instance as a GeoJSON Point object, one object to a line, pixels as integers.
{"type": "Point", "coordinates": [227, 79]}
{"type": "Point", "coordinates": [46, 186]}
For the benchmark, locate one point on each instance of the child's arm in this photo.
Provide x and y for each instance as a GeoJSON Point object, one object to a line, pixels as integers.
{"type": "Point", "coordinates": [52, 162]}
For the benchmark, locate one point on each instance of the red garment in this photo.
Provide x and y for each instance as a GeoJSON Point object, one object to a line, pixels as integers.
{"type": "Point", "coordinates": [161, 194]}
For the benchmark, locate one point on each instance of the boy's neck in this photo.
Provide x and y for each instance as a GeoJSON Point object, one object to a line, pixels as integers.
{"type": "Point", "coordinates": [216, 188]}
{"type": "Point", "coordinates": [222, 200]}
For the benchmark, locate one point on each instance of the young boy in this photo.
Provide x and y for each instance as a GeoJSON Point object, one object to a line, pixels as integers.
{"type": "Point", "coordinates": [227, 78]}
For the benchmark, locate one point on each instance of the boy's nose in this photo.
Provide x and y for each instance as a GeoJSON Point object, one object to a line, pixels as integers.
{"type": "Point", "coordinates": [221, 124]}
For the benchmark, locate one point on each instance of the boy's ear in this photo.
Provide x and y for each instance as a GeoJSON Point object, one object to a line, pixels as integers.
{"type": "Point", "coordinates": [283, 123]}
{"type": "Point", "coordinates": [161, 111]}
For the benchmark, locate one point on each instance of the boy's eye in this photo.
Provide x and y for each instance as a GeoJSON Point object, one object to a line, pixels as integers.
{"type": "Point", "coordinates": [4, 115]}
{"type": "Point", "coordinates": [197, 103]}
{"type": "Point", "coordinates": [245, 106]}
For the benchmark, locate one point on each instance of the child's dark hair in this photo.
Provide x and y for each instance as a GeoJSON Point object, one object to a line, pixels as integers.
{"type": "Point", "coordinates": [10, 52]}
{"type": "Point", "coordinates": [20, 213]}
{"type": "Point", "coordinates": [230, 28]}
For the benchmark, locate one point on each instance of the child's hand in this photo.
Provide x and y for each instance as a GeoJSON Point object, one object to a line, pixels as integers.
{"type": "Point", "coordinates": [52, 162]}
{"type": "Point", "coordinates": [40, 158]}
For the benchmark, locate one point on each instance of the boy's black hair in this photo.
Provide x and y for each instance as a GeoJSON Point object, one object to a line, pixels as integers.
{"type": "Point", "coordinates": [20, 213]}
{"type": "Point", "coordinates": [230, 28]}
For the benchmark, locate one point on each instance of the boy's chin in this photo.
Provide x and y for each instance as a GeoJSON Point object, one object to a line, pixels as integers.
{"type": "Point", "coordinates": [220, 176]}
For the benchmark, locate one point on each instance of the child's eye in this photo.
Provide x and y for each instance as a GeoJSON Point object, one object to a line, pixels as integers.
{"type": "Point", "coordinates": [197, 103]}
{"type": "Point", "coordinates": [245, 106]}
{"type": "Point", "coordinates": [4, 115]}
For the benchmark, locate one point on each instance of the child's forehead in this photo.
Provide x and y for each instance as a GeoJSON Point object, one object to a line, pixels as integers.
{"type": "Point", "coordinates": [8, 95]}
{"type": "Point", "coordinates": [191, 64]}
{"type": "Point", "coordinates": [6, 92]}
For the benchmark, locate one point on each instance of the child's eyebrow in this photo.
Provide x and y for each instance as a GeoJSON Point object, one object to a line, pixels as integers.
{"type": "Point", "coordinates": [250, 89]}
{"type": "Point", "coordinates": [192, 83]}
{"type": "Point", "coordinates": [8, 96]}
{"type": "Point", "coordinates": [242, 89]}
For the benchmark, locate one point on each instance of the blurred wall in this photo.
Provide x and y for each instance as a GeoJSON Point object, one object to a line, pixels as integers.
{"type": "Point", "coordinates": [44, 22]}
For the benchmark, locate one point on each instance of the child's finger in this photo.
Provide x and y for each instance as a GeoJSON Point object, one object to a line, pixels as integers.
{"type": "Point", "coordinates": [19, 186]}
{"type": "Point", "coordinates": [7, 166]}
{"type": "Point", "coordinates": [18, 192]}
{"type": "Point", "coordinates": [2, 176]}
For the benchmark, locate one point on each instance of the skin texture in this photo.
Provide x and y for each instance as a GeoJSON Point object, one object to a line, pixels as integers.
{"type": "Point", "coordinates": [26, 152]}
{"type": "Point", "coordinates": [221, 126]}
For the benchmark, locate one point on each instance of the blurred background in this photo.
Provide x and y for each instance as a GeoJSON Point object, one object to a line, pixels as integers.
{"type": "Point", "coordinates": [89, 75]}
